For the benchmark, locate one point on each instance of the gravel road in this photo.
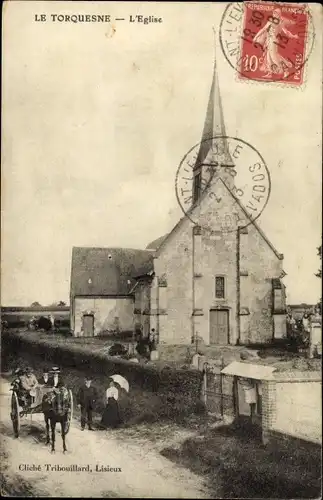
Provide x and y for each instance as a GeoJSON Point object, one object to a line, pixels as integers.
{"type": "Point", "coordinates": [132, 470]}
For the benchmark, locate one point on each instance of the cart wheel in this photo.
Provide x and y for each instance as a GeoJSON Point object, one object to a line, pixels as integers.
{"type": "Point", "coordinates": [15, 417]}
{"type": "Point", "coordinates": [70, 414]}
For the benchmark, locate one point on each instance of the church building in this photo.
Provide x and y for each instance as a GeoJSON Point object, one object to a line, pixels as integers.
{"type": "Point", "coordinates": [197, 281]}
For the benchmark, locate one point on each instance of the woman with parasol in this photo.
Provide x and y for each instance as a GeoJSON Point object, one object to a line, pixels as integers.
{"type": "Point", "coordinates": [111, 414]}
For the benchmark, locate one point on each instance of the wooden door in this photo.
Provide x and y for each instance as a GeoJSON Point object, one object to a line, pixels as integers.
{"type": "Point", "coordinates": [219, 326]}
{"type": "Point", "coordinates": [88, 325]}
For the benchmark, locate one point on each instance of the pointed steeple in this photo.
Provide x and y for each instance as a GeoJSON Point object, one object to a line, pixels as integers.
{"type": "Point", "coordinates": [214, 153]}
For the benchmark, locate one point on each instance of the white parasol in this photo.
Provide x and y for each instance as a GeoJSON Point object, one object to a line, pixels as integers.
{"type": "Point", "coordinates": [124, 384]}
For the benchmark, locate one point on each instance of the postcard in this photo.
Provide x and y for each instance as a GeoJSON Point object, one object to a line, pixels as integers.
{"type": "Point", "coordinates": [161, 302]}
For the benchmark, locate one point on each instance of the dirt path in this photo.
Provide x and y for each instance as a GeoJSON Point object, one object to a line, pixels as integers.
{"type": "Point", "coordinates": [144, 472]}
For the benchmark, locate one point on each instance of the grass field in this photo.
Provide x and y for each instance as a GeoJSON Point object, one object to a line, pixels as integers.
{"type": "Point", "coordinates": [176, 356]}
{"type": "Point", "coordinates": [239, 466]}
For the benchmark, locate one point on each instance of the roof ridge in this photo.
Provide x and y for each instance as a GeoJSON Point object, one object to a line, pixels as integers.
{"type": "Point", "coordinates": [158, 240]}
{"type": "Point", "coordinates": [204, 194]}
{"type": "Point", "coordinates": [253, 222]}
{"type": "Point", "coordinates": [109, 248]}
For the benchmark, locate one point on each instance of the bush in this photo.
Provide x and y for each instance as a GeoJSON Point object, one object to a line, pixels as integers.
{"type": "Point", "coordinates": [177, 389]}
{"type": "Point", "coordinates": [62, 324]}
{"type": "Point", "coordinates": [200, 408]}
{"type": "Point", "coordinates": [44, 324]}
{"type": "Point", "coordinates": [16, 322]}
{"type": "Point", "coordinates": [117, 349]}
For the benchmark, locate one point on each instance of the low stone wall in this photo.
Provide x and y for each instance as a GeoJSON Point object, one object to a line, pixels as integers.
{"type": "Point", "coordinates": [179, 353]}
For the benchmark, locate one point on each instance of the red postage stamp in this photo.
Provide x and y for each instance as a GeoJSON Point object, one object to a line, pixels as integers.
{"type": "Point", "coordinates": [273, 42]}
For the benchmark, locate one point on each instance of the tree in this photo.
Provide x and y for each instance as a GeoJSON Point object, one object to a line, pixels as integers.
{"type": "Point", "coordinates": [35, 304]}
{"type": "Point", "coordinates": [319, 253]}
{"type": "Point", "coordinates": [319, 275]}
{"type": "Point", "coordinates": [61, 303]}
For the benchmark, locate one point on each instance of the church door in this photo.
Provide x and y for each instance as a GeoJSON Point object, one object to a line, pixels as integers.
{"type": "Point", "coordinates": [88, 325]}
{"type": "Point", "coordinates": [219, 326]}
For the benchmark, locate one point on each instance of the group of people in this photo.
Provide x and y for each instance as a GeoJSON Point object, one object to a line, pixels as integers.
{"type": "Point", "coordinates": [87, 398]}
{"type": "Point", "coordinates": [29, 387]}
{"type": "Point", "coordinates": [302, 325]}
{"type": "Point", "coordinates": [300, 331]}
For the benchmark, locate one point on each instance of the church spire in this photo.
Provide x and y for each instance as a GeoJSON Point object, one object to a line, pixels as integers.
{"type": "Point", "coordinates": [214, 152]}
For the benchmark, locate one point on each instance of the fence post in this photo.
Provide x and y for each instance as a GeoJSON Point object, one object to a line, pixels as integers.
{"type": "Point", "coordinates": [221, 388]}
{"type": "Point", "coordinates": [204, 393]}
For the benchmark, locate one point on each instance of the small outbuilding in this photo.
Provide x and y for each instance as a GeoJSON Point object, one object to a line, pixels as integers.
{"type": "Point", "coordinates": [248, 381]}
{"type": "Point", "coordinates": [101, 283]}
{"type": "Point", "coordinates": [281, 403]}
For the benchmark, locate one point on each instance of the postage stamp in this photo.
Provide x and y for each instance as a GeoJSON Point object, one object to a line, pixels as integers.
{"type": "Point", "coordinates": [267, 42]}
{"type": "Point", "coordinates": [246, 177]}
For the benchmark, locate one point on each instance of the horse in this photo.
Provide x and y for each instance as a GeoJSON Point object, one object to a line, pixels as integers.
{"type": "Point", "coordinates": [56, 407]}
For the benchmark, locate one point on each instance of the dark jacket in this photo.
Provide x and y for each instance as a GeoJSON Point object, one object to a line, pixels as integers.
{"type": "Point", "coordinates": [87, 396]}
{"type": "Point", "coordinates": [142, 347]}
{"type": "Point", "coordinates": [49, 382]}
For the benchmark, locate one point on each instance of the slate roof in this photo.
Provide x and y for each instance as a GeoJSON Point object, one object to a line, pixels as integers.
{"type": "Point", "coordinates": [108, 270]}
{"type": "Point", "coordinates": [154, 245]}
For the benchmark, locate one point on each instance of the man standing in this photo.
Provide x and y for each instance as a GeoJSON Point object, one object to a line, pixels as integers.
{"type": "Point", "coordinates": [86, 399]}
{"type": "Point", "coordinates": [306, 323]}
{"type": "Point", "coordinates": [152, 345]}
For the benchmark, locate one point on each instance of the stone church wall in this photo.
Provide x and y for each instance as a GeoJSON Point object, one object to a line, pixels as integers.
{"type": "Point", "coordinates": [261, 264]}
{"type": "Point", "coordinates": [174, 264]}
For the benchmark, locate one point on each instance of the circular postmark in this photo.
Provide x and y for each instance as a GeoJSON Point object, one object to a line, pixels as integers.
{"type": "Point", "coordinates": [219, 194]}
{"type": "Point", "coordinates": [266, 41]}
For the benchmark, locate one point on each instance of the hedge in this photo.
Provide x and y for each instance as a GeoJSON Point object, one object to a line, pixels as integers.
{"type": "Point", "coordinates": [179, 389]}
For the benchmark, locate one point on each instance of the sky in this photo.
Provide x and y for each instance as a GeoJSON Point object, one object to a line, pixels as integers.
{"type": "Point", "coordinates": [97, 117]}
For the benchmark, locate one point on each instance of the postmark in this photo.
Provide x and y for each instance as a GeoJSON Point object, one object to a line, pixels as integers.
{"type": "Point", "coordinates": [247, 180]}
{"type": "Point", "coordinates": [266, 41]}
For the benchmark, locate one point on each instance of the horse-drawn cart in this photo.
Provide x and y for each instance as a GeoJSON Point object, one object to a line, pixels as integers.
{"type": "Point", "coordinates": [21, 406]}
